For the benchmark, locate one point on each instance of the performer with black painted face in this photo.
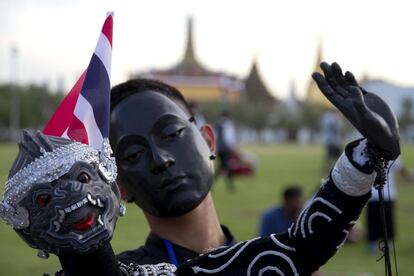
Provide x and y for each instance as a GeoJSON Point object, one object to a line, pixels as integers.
{"type": "Point", "coordinates": [165, 167]}
{"type": "Point", "coordinates": [61, 197]}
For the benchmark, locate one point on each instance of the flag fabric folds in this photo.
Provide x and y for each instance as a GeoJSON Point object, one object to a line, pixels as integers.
{"type": "Point", "coordinates": [83, 115]}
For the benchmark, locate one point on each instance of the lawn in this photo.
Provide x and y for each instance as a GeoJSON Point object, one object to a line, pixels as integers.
{"type": "Point", "coordinates": [278, 166]}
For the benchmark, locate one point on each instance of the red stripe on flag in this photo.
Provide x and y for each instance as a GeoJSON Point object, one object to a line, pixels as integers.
{"type": "Point", "coordinates": [107, 28]}
{"type": "Point", "coordinates": [64, 113]}
{"type": "Point", "coordinates": [77, 131]}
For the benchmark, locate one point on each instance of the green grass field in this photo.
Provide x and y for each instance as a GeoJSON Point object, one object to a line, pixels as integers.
{"type": "Point", "coordinates": [278, 166]}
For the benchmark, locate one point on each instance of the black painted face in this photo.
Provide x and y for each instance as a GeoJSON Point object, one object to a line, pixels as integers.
{"type": "Point", "coordinates": [163, 160]}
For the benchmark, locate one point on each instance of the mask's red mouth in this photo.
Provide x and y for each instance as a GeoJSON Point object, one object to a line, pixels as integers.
{"type": "Point", "coordinates": [81, 216]}
{"type": "Point", "coordinates": [85, 223]}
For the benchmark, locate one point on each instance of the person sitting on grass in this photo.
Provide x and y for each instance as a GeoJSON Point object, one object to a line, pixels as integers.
{"type": "Point", "coordinates": [278, 219]}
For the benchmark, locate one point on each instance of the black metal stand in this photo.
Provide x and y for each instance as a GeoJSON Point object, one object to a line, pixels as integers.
{"type": "Point", "coordinates": [380, 167]}
{"type": "Point", "coordinates": [385, 248]}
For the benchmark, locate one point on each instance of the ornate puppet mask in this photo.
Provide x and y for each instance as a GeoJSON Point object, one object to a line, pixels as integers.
{"type": "Point", "coordinates": [61, 195]}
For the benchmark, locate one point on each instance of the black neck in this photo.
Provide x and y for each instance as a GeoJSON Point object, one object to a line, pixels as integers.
{"type": "Point", "coordinates": [100, 262]}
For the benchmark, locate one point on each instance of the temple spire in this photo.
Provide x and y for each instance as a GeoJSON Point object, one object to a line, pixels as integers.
{"type": "Point", "coordinates": [189, 64]}
{"type": "Point", "coordinates": [319, 57]}
{"type": "Point", "coordinates": [256, 90]}
{"type": "Point", "coordinates": [189, 55]}
{"type": "Point", "coordinates": [313, 94]}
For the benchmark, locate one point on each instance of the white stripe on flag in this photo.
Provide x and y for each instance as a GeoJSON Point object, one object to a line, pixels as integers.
{"type": "Point", "coordinates": [104, 51]}
{"type": "Point", "coordinates": [84, 113]}
{"type": "Point", "coordinates": [65, 134]}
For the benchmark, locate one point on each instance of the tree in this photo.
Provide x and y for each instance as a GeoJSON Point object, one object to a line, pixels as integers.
{"type": "Point", "coordinates": [37, 104]}
{"type": "Point", "coordinates": [406, 118]}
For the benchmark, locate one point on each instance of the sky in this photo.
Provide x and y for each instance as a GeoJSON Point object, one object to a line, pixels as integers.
{"type": "Point", "coordinates": [55, 38]}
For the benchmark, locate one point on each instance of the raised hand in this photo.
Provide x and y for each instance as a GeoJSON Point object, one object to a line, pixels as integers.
{"type": "Point", "coordinates": [367, 112]}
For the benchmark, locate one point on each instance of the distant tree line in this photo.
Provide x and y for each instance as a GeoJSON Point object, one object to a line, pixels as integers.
{"type": "Point", "coordinates": [406, 118]}
{"type": "Point", "coordinates": [261, 116]}
{"type": "Point", "coordinates": [36, 105]}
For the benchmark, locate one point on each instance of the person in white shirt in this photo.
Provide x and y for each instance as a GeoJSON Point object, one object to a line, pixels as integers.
{"type": "Point", "coordinates": [331, 126]}
{"type": "Point", "coordinates": [226, 147]}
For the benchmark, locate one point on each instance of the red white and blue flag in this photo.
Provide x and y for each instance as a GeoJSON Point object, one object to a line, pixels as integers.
{"type": "Point", "coordinates": [83, 115]}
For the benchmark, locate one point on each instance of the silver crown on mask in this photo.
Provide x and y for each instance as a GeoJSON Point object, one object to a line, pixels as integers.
{"type": "Point", "coordinates": [49, 167]}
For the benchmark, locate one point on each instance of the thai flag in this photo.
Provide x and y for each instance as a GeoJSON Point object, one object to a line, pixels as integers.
{"type": "Point", "coordinates": [83, 115]}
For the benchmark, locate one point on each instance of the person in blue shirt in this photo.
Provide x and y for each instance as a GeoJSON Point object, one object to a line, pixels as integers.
{"type": "Point", "coordinates": [279, 218]}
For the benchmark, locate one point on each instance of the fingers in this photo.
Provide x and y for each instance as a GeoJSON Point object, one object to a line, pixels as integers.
{"type": "Point", "coordinates": [334, 97]}
{"type": "Point", "coordinates": [335, 78]}
{"type": "Point", "coordinates": [351, 79]}
{"type": "Point", "coordinates": [323, 84]}
{"type": "Point", "coordinates": [329, 75]}
{"type": "Point", "coordinates": [337, 71]}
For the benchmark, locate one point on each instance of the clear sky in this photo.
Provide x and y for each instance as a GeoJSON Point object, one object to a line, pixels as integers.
{"type": "Point", "coordinates": [56, 38]}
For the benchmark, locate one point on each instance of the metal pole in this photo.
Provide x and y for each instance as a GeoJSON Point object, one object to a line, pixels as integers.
{"type": "Point", "coordinates": [15, 100]}
{"type": "Point", "coordinates": [386, 249]}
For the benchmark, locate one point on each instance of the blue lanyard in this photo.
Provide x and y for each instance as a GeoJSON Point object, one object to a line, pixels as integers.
{"type": "Point", "coordinates": [171, 253]}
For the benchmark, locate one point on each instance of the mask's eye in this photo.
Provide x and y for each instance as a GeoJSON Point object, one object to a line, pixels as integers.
{"type": "Point", "coordinates": [43, 200]}
{"type": "Point", "coordinates": [83, 178]}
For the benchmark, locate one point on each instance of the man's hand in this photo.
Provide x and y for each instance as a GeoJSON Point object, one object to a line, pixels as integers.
{"type": "Point", "coordinates": [369, 114]}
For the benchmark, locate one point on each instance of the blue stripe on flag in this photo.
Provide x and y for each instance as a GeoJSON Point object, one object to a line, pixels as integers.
{"type": "Point", "coordinates": [96, 89]}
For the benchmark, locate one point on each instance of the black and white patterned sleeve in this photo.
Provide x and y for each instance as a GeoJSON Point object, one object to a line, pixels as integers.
{"type": "Point", "coordinates": [320, 230]}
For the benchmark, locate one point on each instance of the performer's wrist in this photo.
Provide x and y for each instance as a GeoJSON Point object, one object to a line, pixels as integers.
{"type": "Point", "coordinates": [353, 173]}
{"type": "Point", "coordinates": [357, 155]}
